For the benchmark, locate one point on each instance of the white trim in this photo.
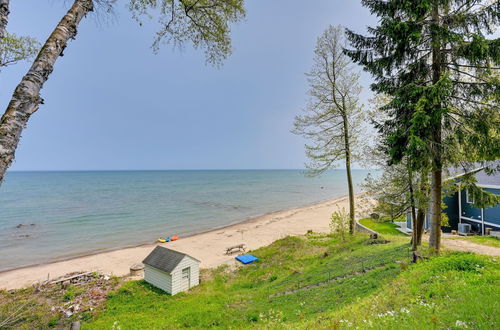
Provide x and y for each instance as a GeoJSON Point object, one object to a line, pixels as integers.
{"type": "Point", "coordinates": [459, 204]}
{"type": "Point", "coordinates": [491, 186]}
{"type": "Point", "coordinates": [479, 221]}
{"type": "Point", "coordinates": [482, 218]}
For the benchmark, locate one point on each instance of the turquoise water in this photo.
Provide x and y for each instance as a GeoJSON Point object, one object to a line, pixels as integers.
{"type": "Point", "coordinates": [48, 216]}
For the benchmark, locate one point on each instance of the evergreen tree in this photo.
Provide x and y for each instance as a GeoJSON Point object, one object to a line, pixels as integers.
{"type": "Point", "coordinates": [433, 58]}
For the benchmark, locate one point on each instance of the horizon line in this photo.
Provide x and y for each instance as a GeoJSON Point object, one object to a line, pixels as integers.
{"type": "Point", "coordinates": [188, 169]}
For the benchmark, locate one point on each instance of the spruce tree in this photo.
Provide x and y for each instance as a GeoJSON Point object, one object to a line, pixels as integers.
{"type": "Point", "coordinates": [438, 62]}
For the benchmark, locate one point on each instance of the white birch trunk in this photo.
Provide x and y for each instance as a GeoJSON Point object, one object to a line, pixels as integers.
{"type": "Point", "coordinates": [4, 15]}
{"type": "Point", "coordinates": [26, 97]}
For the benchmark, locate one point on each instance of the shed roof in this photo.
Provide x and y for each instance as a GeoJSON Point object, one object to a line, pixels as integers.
{"type": "Point", "coordinates": [165, 259]}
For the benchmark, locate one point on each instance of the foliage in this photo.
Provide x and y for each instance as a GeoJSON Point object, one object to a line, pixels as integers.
{"type": "Point", "coordinates": [339, 223]}
{"type": "Point", "coordinates": [435, 61]}
{"type": "Point", "coordinates": [14, 49]}
{"type": "Point", "coordinates": [382, 228]}
{"type": "Point", "coordinates": [461, 101]}
{"type": "Point", "coordinates": [204, 23]}
{"type": "Point", "coordinates": [332, 118]}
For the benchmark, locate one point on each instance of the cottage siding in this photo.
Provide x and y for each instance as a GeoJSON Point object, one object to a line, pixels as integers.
{"type": "Point", "coordinates": [158, 278]}
{"type": "Point", "coordinates": [472, 215]}
{"type": "Point", "coordinates": [492, 214]}
{"type": "Point", "coordinates": [177, 274]}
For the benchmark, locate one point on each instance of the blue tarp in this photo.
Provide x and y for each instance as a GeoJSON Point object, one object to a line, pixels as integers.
{"type": "Point", "coordinates": [246, 258]}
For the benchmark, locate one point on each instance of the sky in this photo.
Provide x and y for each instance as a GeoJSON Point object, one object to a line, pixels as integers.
{"type": "Point", "coordinates": [112, 104]}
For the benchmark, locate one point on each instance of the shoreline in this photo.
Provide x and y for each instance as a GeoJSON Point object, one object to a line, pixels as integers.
{"type": "Point", "coordinates": [207, 246]}
{"type": "Point", "coordinates": [181, 236]}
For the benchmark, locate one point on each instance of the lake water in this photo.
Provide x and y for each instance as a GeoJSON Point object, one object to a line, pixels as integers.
{"type": "Point", "coordinates": [48, 216]}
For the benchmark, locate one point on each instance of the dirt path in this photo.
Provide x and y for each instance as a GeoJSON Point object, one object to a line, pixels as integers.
{"type": "Point", "coordinates": [462, 245]}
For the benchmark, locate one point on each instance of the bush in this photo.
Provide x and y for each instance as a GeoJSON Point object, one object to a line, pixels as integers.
{"type": "Point", "coordinates": [339, 223]}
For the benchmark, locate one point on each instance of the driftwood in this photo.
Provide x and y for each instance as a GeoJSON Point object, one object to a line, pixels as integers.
{"type": "Point", "coordinates": [69, 278]}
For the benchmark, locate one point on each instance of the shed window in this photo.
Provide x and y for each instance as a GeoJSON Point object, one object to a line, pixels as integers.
{"type": "Point", "coordinates": [469, 198]}
{"type": "Point", "coordinates": [185, 272]}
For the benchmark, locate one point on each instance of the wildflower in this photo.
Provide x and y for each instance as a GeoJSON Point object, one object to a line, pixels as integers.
{"type": "Point", "coordinates": [405, 310]}
{"type": "Point", "coordinates": [461, 324]}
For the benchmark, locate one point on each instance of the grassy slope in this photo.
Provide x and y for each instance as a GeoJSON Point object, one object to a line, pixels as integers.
{"type": "Point", "coordinates": [383, 228]}
{"type": "Point", "coordinates": [437, 292]}
{"type": "Point", "coordinates": [484, 240]}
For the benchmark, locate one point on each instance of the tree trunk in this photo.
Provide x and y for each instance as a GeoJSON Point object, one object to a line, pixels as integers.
{"type": "Point", "coordinates": [26, 97]}
{"type": "Point", "coordinates": [349, 175]}
{"type": "Point", "coordinates": [435, 226]}
{"type": "Point", "coordinates": [435, 221]}
{"type": "Point", "coordinates": [422, 207]}
{"type": "Point", "coordinates": [413, 213]}
{"type": "Point", "coordinates": [4, 15]}
{"type": "Point", "coordinates": [419, 227]}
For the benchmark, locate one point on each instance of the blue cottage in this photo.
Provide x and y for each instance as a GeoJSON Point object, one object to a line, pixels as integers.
{"type": "Point", "coordinates": [460, 208]}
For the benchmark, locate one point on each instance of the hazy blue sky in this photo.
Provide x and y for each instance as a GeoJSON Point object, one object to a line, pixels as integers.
{"type": "Point", "coordinates": [112, 104]}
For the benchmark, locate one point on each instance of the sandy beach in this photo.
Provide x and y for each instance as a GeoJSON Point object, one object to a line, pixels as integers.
{"type": "Point", "coordinates": [209, 247]}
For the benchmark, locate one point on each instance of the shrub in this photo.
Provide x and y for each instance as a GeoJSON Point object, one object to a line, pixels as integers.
{"type": "Point", "coordinates": [339, 223]}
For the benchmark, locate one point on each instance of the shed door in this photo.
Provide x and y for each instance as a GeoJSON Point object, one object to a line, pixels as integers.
{"type": "Point", "coordinates": [186, 279]}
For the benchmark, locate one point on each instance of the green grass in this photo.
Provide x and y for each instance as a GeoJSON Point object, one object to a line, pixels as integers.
{"type": "Point", "coordinates": [383, 228]}
{"type": "Point", "coordinates": [244, 297]}
{"type": "Point", "coordinates": [444, 292]}
{"type": "Point", "coordinates": [454, 291]}
{"type": "Point", "coordinates": [484, 240]}
{"type": "Point", "coordinates": [309, 282]}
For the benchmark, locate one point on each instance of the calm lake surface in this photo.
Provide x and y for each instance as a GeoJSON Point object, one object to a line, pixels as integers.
{"type": "Point", "coordinates": [48, 216]}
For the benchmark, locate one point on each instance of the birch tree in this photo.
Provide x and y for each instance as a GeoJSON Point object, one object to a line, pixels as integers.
{"type": "Point", "coordinates": [332, 118]}
{"type": "Point", "coordinates": [4, 17]}
{"type": "Point", "coordinates": [204, 23]}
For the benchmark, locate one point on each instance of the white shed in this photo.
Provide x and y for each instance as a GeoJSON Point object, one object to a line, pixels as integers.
{"type": "Point", "coordinates": [171, 271]}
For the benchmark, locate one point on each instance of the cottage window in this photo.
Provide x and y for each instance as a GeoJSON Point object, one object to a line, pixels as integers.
{"type": "Point", "coordinates": [469, 198]}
